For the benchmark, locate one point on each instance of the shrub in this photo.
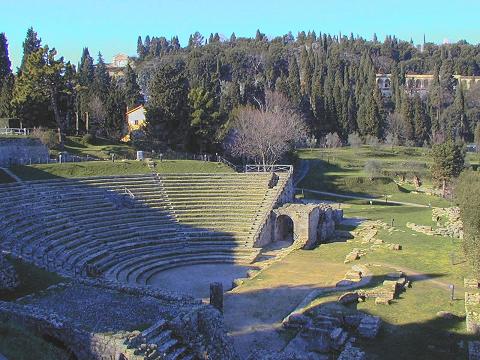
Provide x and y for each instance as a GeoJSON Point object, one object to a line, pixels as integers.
{"type": "Point", "coordinates": [354, 140]}
{"type": "Point", "coordinates": [467, 195]}
{"type": "Point", "coordinates": [48, 137]}
{"type": "Point", "coordinates": [372, 141]}
{"type": "Point", "coordinates": [373, 168]}
{"type": "Point", "coordinates": [332, 140]}
{"type": "Point", "coordinates": [88, 139]}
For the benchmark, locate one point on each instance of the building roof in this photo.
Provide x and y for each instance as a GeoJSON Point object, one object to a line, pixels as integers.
{"type": "Point", "coordinates": [134, 109]}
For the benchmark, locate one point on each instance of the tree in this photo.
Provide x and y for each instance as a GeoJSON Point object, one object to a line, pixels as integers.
{"type": "Point", "coordinates": [140, 48]}
{"type": "Point", "coordinates": [294, 91]}
{"type": "Point", "coordinates": [167, 109]}
{"type": "Point", "coordinates": [373, 168]}
{"type": "Point", "coordinates": [41, 77]}
{"type": "Point", "coordinates": [204, 117]}
{"type": "Point", "coordinates": [264, 135]}
{"type": "Point", "coordinates": [467, 194]}
{"type": "Point", "coordinates": [448, 162]}
{"type": "Point", "coordinates": [477, 137]}
{"type": "Point", "coordinates": [6, 79]}
{"type": "Point", "coordinates": [420, 121]}
{"type": "Point", "coordinates": [101, 79]}
{"type": "Point", "coordinates": [354, 140]}
{"type": "Point", "coordinates": [332, 140]}
{"type": "Point", "coordinates": [31, 44]}
{"type": "Point", "coordinates": [133, 94]}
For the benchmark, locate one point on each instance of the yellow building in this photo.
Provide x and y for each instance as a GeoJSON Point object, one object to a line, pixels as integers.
{"type": "Point", "coordinates": [135, 121]}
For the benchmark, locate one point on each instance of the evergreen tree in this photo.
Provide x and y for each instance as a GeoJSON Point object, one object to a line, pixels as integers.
{"type": "Point", "coordinates": [408, 115]}
{"type": "Point", "coordinates": [448, 161]}
{"type": "Point", "coordinates": [420, 120]}
{"type": "Point", "coordinates": [294, 92]}
{"type": "Point", "coordinates": [41, 78]}
{"type": "Point", "coordinates": [86, 70]}
{"type": "Point", "coordinates": [6, 79]}
{"type": "Point", "coordinates": [115, 107]}
{"type": "Point", "coordinates": [140, 48]}
{"type": "Point", "coordinates": [477, 137]}
{"type": "Point", "coordinates": [101, 79]}
{"type": "Point", "coordinates": [30, 45]}
{"type": "Point", "coordinates": [133, 95]}
{"type": "Point", "coordinates": [204, 118]}
{"type": "Point", "coordinates": [167, 109]}
{"type": "Point", "coordinates": [233, 38]}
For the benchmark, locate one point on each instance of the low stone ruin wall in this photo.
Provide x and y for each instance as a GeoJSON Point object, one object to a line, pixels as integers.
{"type": "Point", "coordinates": [84, 345]}
{"type": "Point", "coordinates": [22, 151]}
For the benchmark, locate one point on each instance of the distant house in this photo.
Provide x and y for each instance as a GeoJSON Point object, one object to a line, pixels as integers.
{"type": "Point", "coordinates": [135, 122]}
{"type": "Point", "coordinates": [117, 66]}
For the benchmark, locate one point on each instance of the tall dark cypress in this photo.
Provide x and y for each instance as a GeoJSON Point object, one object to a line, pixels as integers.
{"type": "Point", "coordinates": [31, 44]}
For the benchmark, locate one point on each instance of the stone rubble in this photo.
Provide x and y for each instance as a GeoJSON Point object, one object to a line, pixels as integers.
{"type": "Point", "coordinates": [8, 276]}
{"type": "Point", "coordinates": [369, 326]}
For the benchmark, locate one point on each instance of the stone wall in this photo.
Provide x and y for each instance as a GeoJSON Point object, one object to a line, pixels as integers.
{"type": "Point", "coordinates": [84, 345]}
{"type": "Point", "coordinates": [22, 151]}
{"type": "Point", "coordinates": [203, 329]}
{"type": "Point", "coordinates": [8, 276]}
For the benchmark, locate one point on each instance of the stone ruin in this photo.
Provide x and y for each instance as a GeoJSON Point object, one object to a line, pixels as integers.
{"type": "Point", "coordinates": [8, 276]}
{"type": "Point", "coordinates": [79, 315]}
{"type": "Point", "coordinates": [310, 224]}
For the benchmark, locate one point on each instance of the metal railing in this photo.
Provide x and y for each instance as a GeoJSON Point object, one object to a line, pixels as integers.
{"type": "Point", "coordinates": [268, 168]}
{"type": "Point", "coordinates": [14, 131]}
{"type": "Point", "coordinates": [128, 192]}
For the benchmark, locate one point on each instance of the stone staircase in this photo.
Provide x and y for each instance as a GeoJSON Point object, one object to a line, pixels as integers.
{"type": "Point", "coordinates": [158, 342]}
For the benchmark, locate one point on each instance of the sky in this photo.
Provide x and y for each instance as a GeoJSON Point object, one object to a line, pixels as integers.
{"type": "Point", "coordinates": [113, 26]}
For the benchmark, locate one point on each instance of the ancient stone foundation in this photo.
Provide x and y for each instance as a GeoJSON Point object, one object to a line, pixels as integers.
{"type": "Point", "coordinates": [22, 151]}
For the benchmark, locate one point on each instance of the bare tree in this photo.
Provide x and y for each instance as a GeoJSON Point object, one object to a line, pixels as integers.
{"type": "Point", "coordinates": [396, 129]}
{"type": "Point", "coordinates": [332, 140]}
{"type": "Point", "coordinates": [354, 140]}
{"type": "Point", "coordinates": [98, 115]}
{"type": "Point", "coordinates": [264, 135]}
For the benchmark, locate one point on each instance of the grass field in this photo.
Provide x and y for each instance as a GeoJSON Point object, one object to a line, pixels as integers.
{"type": "Point", "coordinates": [342, 171]}
{"type": "Point", "coordinates": [107, 168]}
{"type": "Point", "coordinates": [100, 149]}
{"type": "Point", "coordinates": [16, 342]}
{"type": "Point", "coordinates": [4, 178]}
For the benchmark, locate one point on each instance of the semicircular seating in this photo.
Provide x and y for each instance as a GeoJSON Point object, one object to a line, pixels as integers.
{"type": "Point", "coordinates": [128, 228]}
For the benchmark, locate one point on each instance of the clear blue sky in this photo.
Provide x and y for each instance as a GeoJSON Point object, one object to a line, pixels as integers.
{"type": "Point", "coordinates": [113, 26]}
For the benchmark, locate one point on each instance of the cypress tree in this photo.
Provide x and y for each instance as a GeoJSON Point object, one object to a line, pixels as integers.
{"type": "Point", "coordinates": [101, 80]}
{"type": "Point", "coordinates": [140, 48]}
{"type": "Point", "coordinates": [294, 82]}
{"type": "Point", "coordinates": [133, 94]}
{"type": "Point", "coordinates": [30, 45]}
{"type": "Point", "coordinates": [6, 79]}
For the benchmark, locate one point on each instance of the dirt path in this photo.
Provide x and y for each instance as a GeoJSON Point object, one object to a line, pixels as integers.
{"type": "Point", "coordinates": [382, 201]}
{"type": "Point", "coordinates": [254, 311]}
{"type": "Point", "coordinates": [417, 276]}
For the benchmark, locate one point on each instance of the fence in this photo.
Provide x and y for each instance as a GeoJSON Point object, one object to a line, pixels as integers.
{"type": "Point", "coordinates": [268, 168]}
{"type": "Point", "coordinates": [15, 131]}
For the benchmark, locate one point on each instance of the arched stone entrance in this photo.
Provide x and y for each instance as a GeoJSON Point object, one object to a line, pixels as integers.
{"type": "Point", "coordinates": [284, 229]}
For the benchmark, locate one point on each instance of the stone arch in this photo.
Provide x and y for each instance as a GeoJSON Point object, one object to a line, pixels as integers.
{"type": "Point", "coordinates": [284, 229]}
{"type": "Point", "coordinates": [380, 83]}
{"type": "Point", "coordinates": [425, 83]}
{"type": "Point", "coordinates": [410, 83]}
{"type": "Point", "coordinates": [387, 84]}
{"type": "Point", "coordinates": [418, 83]}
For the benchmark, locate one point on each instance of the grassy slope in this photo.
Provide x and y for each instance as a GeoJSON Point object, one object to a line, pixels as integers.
{"type": "Point", "coordinates": [100, 149]}
{"type": "Point", "coordinates": [4, 178]}
{"type": "Point", "coordinates": [17, 342]}
{"type": "Point", "coordinates": [342, 171]}
{"type": "Point", "coordinates": [106, 168]}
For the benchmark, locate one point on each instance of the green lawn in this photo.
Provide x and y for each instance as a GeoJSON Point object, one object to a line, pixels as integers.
{"type": "Point", "coordinates": [18, 343]}
{"type": "Point", "coordinates": [107, 168]}
{"type": "Point", "coordinates": [100, 149]}
{"type": "Point", "coordinates": [4, 178]}
{"type": "Point", "coordinates": [411, 328]}
{"type": "Point", "coordinates": [342, 171]}
{"type": "Point", "coordinates": [31, 278]}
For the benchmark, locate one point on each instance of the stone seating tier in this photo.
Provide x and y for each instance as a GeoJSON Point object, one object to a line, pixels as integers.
{"type": "Point", "coordinates": [67, 225]}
